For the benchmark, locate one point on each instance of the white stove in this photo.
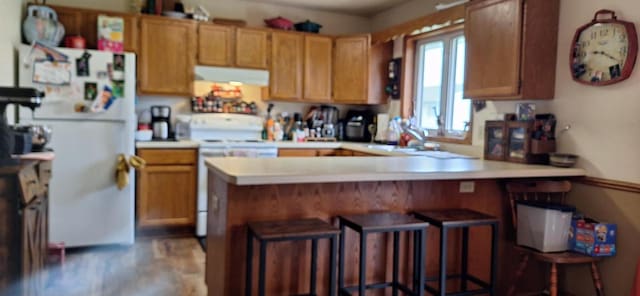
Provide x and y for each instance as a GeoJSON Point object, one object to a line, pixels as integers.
{"type": "Point", "coordinates": [225, 135]}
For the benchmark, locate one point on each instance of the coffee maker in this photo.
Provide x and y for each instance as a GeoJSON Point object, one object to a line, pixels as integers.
{"type": "Point", "coordinates": [28, 97]}
{"type": "Point", "coordinates": [161, 122]}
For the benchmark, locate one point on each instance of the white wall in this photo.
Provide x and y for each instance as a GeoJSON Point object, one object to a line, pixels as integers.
{"type": "Point", "coordinates": [605, 120]}
{"type": "Point", "coordinates": [10, 16]}
{"type": "Point", "coordinates": [402, 13]}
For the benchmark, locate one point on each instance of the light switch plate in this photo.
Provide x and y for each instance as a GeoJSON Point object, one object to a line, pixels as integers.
{"type": "Point", "coordinates": [467, 187]}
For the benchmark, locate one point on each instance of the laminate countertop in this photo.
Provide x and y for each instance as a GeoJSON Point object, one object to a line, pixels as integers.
{"type": "Point", "coordinates": [294, 170]}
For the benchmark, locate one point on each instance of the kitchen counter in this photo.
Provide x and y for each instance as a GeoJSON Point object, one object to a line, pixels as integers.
{"type": "Point", "coordinates": [181, 144]}
{"type": "Point", "coordinates": [242, 171]}
{"type": "Point", "coordinates": [242, 190]}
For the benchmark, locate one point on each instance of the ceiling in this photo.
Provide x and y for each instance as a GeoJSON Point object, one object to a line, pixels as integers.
{"type": "Point", "coordinates": [354, 7]}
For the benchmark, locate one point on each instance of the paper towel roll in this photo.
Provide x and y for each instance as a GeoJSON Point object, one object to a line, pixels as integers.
{"type": "Point", "coordinates": [383, 123]}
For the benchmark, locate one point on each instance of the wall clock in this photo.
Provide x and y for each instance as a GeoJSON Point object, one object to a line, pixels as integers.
{"type": "Point", "coordinates": [604, 51]}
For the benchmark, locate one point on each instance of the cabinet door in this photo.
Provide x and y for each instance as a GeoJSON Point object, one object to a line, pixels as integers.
{"type": "Point", "coordinates": [286, 66]}
{"type": "Point", "coordinates": [297, 153]}
{"type": "Point", "coordinates": [84, 22]}
{"type": "Point", "coordinates": [350, 69]}
{"type": "Point", "coordinates": [252, 48]}
{"type": "Point", "coordinates": [167, 56]}
{"type": "Point", "coordinates": [493, 30]}
{"type": "Point", "coordinates": [318, 58]}
{"type": "Point", "coordinates": [167, 196]}
{"type": "Point", "coordinates": [215, 45]}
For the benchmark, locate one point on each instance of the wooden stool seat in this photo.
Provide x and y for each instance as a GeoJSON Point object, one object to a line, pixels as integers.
{"type": "Point", "coordinates": [559, 258]}
{"type": "Point", "coordinates": [455, 217]}
{"type": "Point", "coordinates": [311, 229]}
{"type": "Point", "coordinates": [292, 229]}
{"type": "Point", "coordinates": [447, 219]}
{"type": "Point", "coordinates": [382, 222]}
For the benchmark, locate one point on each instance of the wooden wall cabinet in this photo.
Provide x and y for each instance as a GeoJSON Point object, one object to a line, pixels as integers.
{"type": "Point", "coordinates": [318, 64]}
{"type": "Point", "coordinates": [24, 229]}
{"type": "Point", "coordinates": [166, 188]}
{"type": "Point", "coordinates": [215, 45]}
{"type": "Point", "coordinates": [516, 57]}
{"type": "Point", "coordinates": [252, 48]}
{"type": "Point", "coordinates": [84, 22]}
{"type": "Point", "coordinates": [285, 77]}
{"type": "Point", "coordinates": [167, 56]}
{"type": "Point", "coordinates": [360, 70]}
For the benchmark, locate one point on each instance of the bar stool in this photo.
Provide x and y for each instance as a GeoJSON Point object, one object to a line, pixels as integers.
{"type": "Point", "coordinates": [461, 218]}
{"type": "Point", "coordinates": [384, 223]}
{"type": "Point", "coordinates": [290, 230]}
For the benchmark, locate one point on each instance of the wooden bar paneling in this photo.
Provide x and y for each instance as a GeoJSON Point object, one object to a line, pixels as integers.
{"type": "Point", "coordinates": [610, 184]}
{"type": "Point", "coordinates": [288, 263]}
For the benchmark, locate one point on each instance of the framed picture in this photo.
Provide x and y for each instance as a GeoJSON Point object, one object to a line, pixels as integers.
{"type": "Point", "coordinates": [526, 111]}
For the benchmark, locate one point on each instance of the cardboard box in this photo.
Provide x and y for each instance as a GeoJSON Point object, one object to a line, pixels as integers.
{"type": "Point", "coordinates": [593, 238]}
{"type": "Point", "coordinates": [110, 33]}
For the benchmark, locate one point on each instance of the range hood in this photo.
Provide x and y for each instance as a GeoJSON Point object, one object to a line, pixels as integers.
{"type": "Point", "coordinates": [226, 75]}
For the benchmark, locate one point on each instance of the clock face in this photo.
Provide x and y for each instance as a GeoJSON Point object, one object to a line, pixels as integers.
{"type": "Point", "coordinates": [601, 52]}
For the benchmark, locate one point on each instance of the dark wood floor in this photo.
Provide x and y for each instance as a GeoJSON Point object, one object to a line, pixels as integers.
{"type": "Point", "coordinates": [151, 267]}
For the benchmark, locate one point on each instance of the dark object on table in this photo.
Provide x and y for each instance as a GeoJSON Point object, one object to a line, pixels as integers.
{"type": "Point", "coordinates": [279, 23]}
{"type": "Point", "coordinates": [545, 127]}
{"type": "Point", "coordinates": [28, 97]}
{"type": "Point", "coordinates": [22, 143]}
{"type": "Point", "coordinates": [357, 125]}
{"type": "Point", "coordinates": [40, 135]}
{"type": "Point", "coordinates": [308, 26]}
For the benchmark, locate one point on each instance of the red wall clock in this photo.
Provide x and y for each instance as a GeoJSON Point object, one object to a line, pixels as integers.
{"type": "Point", "coordinates": [604, 51]}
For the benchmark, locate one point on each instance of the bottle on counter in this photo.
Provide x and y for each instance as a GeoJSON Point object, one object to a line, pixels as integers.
{"type": "Point", "coordinates": [394, 132]}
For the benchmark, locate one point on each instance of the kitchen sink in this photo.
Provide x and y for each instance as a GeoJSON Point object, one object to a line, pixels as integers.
{"type": "Point", "coordinates": [392, 148]}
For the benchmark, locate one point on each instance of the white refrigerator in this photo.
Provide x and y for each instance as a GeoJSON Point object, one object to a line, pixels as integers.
{"type": "Point", "coordinates": [86, 207]}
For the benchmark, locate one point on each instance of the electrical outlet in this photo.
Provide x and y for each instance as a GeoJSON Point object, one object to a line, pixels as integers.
{"type": "Point", "coordinates": [467, 187]}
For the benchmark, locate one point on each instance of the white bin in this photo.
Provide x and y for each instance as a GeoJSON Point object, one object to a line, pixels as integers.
{"type": "Point", "coordinates": [544, 227]}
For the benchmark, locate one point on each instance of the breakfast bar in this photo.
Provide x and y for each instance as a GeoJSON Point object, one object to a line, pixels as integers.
{"type": "Point", "coordinates": [243, 190]}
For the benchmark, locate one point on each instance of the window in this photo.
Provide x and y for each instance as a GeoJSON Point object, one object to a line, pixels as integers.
{"type": "Point", "coordinates": [439, 79]}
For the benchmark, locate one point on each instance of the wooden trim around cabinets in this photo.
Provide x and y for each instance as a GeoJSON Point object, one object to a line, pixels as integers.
{"type": "Point", "coordinates": [610, 184]}
{"type": "Point", "coordinates": [440, 17]}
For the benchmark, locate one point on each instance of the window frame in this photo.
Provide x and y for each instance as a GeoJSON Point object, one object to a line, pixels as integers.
{"type": "Point", "coordinates": [410, 78]}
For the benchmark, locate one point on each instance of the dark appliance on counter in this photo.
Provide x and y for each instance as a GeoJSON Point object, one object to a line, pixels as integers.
{"type": "Point", "coordinates": [28, 97]}
{"type": "Point", "coordinates": [357, 125]}
{"type": "Point", "coordinates": [161, 122]}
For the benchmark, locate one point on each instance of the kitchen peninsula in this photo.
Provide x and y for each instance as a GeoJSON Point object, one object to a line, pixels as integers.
{"type": "Point", "coordinates": [243, 190]}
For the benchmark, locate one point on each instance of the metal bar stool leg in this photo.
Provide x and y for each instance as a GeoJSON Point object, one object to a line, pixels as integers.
{"type": "Point", "coordinates": [341, 259]}
{"type": "Point", "coordinates": [396, 259]}
{"type": "Point", "coordinates": [249, 265]}
{"type": "Point", "coordinates": [332, 265]}
{"type": "Point", "coordinates": [314, 266]}
{"type": "Point", "coordinates": [416, 262]}
{"type": "Point", "coordinates": [422, 257]}
{"type": "Point", "coordinates": [262, 268]}
{"type": "Point", "coordinates": [465, 259]}
{"type": "Point", "coordinates": [442, 285]}
{"type": "Point", "coordinates": [494, 258]}
{"type": "Point", "coordinates": [362, 285]}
